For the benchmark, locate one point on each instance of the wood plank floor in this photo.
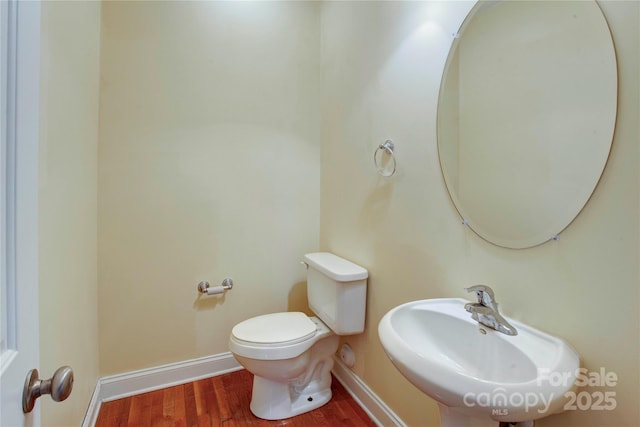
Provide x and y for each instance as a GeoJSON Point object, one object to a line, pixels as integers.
{"type": "Point", "coordinates": [221, 401]}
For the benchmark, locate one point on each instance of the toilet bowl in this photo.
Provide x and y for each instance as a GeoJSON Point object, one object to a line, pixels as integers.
{"type": "Point", "coordinates": [291, 360]}
{"type": "Point", "coordinates": [290, 354]}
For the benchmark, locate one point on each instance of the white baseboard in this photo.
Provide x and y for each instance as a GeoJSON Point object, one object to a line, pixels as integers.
{"type": "Point", "coordinates": [377, 410]}
{"type": "Point", "coordinates": [145, 380]}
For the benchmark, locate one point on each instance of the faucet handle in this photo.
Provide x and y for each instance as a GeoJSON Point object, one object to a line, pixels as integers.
{"type": "Point", "coordinates": [484, 294]}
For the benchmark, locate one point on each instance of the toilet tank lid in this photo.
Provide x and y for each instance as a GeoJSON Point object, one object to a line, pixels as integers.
{"type": "Point", "coordinates": [337, 268]}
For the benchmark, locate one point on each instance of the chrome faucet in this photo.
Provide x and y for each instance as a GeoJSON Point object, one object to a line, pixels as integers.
{"type": "Point", "coordinates": [485, 311]}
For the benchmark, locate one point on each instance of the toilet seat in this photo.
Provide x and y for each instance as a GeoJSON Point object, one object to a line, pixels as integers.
{"type": "Point", "coordinates": [276, 336]}
{"type": "Point", "coordinates": [275, 328]}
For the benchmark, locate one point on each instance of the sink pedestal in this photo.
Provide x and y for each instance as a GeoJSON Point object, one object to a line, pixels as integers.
{"type": "Point", "coordinates": [450, 417]}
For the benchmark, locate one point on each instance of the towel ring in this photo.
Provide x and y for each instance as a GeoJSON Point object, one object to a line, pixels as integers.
{"type": "Point", "coordinates": [388, 147]}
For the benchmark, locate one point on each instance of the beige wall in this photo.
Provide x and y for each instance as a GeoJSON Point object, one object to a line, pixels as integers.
{"type": "Point", "coordinates": [211, 120]}
{"type": "Point", "coordinates": [381, 68]}
{"type": "Point", "coordinates": [208, 167]}
{"type": "Point", "coordinates": [70, 40]}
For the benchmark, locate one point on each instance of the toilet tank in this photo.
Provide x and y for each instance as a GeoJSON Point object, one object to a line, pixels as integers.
{"type": "Point", "coordinates": [337, 292]}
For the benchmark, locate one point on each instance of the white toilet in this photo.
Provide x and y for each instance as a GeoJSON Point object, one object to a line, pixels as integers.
{"type": "Point", "coordinates": [291, 354]}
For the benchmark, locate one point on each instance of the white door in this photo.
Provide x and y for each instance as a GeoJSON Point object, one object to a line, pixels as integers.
{"type": "Point", "coordinates": [19, 89]}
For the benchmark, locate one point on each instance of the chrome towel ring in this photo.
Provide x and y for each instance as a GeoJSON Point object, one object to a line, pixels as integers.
{"type": "Point", "coordinates": [387, 147]}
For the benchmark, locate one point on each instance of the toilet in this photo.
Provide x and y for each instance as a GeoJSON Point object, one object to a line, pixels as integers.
{"type": "Point", "coordinates": [290, 354]}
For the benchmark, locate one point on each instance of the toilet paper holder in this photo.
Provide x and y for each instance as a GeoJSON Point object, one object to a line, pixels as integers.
{"type": "Point", "coordinates": [206, 289]}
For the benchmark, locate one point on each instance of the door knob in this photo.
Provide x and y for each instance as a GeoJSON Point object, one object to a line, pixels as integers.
{"type": "Point", "coordinates": [59, 387]}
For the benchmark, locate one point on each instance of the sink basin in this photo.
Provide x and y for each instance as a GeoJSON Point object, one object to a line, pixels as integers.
{"type": "Point", "coordinates": [475, 370]}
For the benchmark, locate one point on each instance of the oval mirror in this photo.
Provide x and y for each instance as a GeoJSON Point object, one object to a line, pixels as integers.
{"type": "Point", "coordinates": [526, 115]}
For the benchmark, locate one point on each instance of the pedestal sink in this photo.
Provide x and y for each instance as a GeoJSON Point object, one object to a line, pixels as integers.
{"type": "Point", "coordinates": [479, 376]}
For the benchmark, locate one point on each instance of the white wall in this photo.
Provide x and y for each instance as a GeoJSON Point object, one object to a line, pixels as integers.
{"type": "Point", "coordinates": [70, 65]}
{"type": "Point", "coordinates": [381, 68]}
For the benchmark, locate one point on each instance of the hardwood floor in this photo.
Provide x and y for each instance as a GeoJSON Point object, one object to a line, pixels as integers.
{"type": "Point", "coordinates": [221, 401]}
